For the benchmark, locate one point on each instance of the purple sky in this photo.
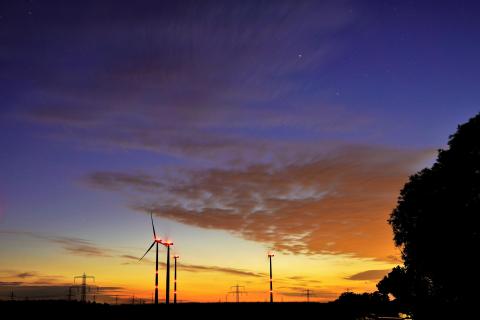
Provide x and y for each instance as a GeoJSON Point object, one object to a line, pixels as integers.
{"type": "Point", "coordinates": [267, 120]}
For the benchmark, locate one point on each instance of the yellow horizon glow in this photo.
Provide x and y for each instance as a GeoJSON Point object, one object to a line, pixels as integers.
{"type": "Point", "coordinates": [325, 275]}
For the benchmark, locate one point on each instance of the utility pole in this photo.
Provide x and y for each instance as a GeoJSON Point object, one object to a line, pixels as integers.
{"type": "Point", "coordinates": [12, 296]}
{"type": "Point", "coordinates": [116, 299]}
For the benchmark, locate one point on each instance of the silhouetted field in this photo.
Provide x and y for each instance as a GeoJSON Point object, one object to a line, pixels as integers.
{"type": "Point", "coordinates": [65, 309]}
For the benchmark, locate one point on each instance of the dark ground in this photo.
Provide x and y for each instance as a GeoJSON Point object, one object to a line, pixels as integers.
{"type": "Point", "coordinates": [67, 310]}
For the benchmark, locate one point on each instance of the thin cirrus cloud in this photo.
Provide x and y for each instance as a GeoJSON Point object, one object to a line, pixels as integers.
{"type": "Point", "coordinates": [74, 246]}
{"type": "Point", "coordinates": [369, 275]}
{"type": "Point", "coordinates": [335, 204]}
{"type": "Point", "coordinates": [24, 275]}
{"type": "Point", "coordinates": [204, 268]}
{"type": "Point", "coordinates": [25, 278]}
{"type": "Point", "coordinates": [80, 247]}
{"type": "Point", "coordinates": [85, 248]}
{"type": "Point", "coordinates": [190, 71]}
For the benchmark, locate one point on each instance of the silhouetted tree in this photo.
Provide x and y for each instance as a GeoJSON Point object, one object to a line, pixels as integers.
{"type": "Point", "coordinates": [398, 284]}
{"type": "Point", "coordinates": [360, 305]}
{"type": "Point", "coordinates": [363, 299]}
{"type": "Point", "coordinates": [436, 224]}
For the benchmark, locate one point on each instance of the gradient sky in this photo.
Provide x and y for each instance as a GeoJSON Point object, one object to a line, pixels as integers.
{"type": "Point", "coordinates": [246, 126]}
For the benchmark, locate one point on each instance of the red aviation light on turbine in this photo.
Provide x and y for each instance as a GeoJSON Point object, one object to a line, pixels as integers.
{"type": "Point", "coordinates": [167, 243]}
{"type": "Point", "coordinates": [271, 254]}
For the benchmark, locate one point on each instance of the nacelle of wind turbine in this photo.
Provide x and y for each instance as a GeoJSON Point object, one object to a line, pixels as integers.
{"type": "Point", "coordinates": [167, 243]}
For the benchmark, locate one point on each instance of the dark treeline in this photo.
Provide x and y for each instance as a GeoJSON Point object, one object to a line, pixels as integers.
{"type": "Point", "coordinates": [346, 309]}
{"type": "Point", "coordinates": [436, 224]}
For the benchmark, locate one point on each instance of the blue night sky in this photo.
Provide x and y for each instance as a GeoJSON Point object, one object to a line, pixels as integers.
{"type": "Point", "coordinates": [251, 125]}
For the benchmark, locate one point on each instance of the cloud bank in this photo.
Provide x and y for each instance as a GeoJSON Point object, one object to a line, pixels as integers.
{"type": "Point", "coordinates": [337, 203]}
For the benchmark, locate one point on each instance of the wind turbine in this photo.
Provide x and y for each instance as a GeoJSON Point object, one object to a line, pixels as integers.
{"type": "Point", "coordinates": [175, 280]}
{"type": "Point", "coordinates": [270, 255]}
{"type": "Point", "coordinates": [168, 244]}
{"type": "Point", "coordinates": [155, 243]}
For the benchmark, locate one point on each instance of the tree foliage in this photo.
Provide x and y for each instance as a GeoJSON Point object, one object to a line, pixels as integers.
{"type": "Point", "coordinates": [436, 225]}
{"type": "Point", "coordinates": [397, 284]}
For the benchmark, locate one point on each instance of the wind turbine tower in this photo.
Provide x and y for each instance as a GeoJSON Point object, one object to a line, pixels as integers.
{"type": "Point", "coordinates": [270, 255]}
{"type": "Point", "coordinates": [175, 280]}
{"type": "Point", "coordinates": [167, 244]}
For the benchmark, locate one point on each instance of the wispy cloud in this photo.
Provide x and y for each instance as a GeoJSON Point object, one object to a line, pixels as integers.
{"type": "Point", "coordinates": [80, 247]}
{"type": "Point", "coordinates": [115, 181]}
{"type": "Point", "coordinates": [204, 268]}
{"type": "Point", "coordinates": [10, 283]}
{"type": "Point", "coordinates": [301, 278]}
{"type": "Point", "coordinates": [29, 278]}
{"type": "Point", "coordinates": [24, 275]}
{"type": "Point", "coordinates": [75, 246]}
{"type": "Point", "coordinates": [130, 257]}
{"type": "Point", "coordinates": [369, 275]}
{"type": "Point", "coordinates": [191, 71]}
{"type": "Point", "coordinates": [231, 271]}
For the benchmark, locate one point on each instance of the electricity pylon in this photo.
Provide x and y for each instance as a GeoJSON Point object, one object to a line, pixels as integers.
{"type": "Point", "coordinates": [83, 285]}
{"type": "Point", "coordinates": [239, 290]}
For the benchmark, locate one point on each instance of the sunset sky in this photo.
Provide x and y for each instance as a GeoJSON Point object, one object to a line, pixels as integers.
{"type": "Point", "coordinates": [245, 126]}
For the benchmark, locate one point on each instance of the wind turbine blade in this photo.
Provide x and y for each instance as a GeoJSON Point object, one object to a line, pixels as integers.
{"type": "Point", "coordinates": [147, 251]}
{"type": "Point", "coordinates": [153, 227]}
